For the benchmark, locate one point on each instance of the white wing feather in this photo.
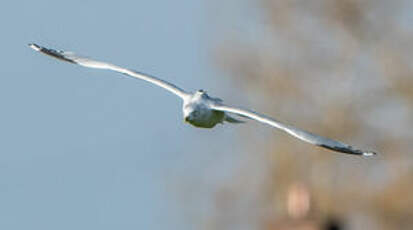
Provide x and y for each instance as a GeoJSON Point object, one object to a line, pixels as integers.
{"type": "Point", "coordinates": [86, 62]}
{"type": "Point", "coordinates": [296, 132]}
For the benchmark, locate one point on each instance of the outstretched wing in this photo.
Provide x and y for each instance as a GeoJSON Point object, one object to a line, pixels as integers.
{"type": "Point", "coordinates": [72, 58]}
{"type": "Point", "coordinates": [296, 132]}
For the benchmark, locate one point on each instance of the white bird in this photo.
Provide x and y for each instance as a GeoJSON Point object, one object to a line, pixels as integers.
{"type": "Point", "coordinates": [203, 111]}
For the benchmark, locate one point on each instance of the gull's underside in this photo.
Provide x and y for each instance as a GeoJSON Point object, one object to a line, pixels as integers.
{"type": "Point", "coordinates": [203, 111]}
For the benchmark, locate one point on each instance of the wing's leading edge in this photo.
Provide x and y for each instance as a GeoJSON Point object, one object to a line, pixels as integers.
{"type": "Point", "coordinates": [86, 62]}
{"type": "Point", "coordinates": [296, 132]}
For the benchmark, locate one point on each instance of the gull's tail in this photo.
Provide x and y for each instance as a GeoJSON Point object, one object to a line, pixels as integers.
{"type": "Point", "coordinates": [230, 119]}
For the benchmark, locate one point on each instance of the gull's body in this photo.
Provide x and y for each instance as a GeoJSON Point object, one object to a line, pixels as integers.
{"type": "Point", "coordinates": [203, 111]}
{"type": "Point", "coordinates": [196, 109]}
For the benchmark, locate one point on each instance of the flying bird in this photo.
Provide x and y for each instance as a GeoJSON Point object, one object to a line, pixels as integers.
{"type": "Point", "coordinates": [203, 111]}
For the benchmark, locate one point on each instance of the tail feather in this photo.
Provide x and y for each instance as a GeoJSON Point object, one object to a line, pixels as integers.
{"type": "Point", "coordinates": [230, 119]}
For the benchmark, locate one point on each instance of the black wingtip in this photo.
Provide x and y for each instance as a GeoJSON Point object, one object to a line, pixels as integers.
{"type": "Point", "coordinates": [369, 154]}
{"type": "Point", "coordinates": [34, 46]}
{"type": "Point", "coordinates": [51, 52]}
{"type": "Point", "coordinates": [349, 150]}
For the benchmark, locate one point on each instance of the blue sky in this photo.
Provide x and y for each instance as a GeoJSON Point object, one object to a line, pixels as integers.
{"type": "Point", "coordinates": [90, 149]}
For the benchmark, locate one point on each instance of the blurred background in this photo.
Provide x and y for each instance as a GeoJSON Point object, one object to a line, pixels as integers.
{"type": "Point", "coordinates": [89, 149]}
{"type": "Point", "coordinates": [340, 68]}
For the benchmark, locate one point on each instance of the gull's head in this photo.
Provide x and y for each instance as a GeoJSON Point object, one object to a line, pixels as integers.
{"type": "Point", "coordinates": [199, 95]}
{"type": "Point", "coordinates": [195, 108]}
{"type": "Point", "coordinates": [200, 92]}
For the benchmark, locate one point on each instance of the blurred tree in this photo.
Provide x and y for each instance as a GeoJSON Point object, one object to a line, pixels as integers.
{"type": "Point", "coordinates": [339, 68]}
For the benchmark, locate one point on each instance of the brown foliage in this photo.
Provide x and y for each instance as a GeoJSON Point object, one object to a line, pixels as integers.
{"type": "Point", "coordinates": [340, 68]}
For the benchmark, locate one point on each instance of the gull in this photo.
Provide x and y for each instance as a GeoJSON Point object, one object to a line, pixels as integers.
{"type": "Point", "coordinates": [203, 111]}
